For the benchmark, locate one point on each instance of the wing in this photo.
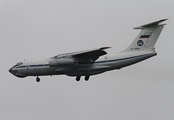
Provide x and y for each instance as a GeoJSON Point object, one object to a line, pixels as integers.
{"type": "Point", "coordinates": [85, 56]}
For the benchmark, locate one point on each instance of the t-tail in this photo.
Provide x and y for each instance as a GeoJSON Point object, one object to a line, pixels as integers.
{"type": "Point", "coordinates": [147, 37]}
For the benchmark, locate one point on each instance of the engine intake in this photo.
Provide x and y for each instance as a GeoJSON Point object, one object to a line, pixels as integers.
{"type": "Point", "coordinates": [61, 62]}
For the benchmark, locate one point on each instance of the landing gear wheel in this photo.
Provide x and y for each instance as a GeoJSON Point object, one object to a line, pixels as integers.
{"type": "Point", "coordinates": [78, 78]}
{"type": "Point", "coordinates": [87, 77]}
{"type": "Point", "coordinates": [37, 79]}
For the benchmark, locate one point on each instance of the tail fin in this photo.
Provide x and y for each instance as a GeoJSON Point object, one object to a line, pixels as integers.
{"type": "Point", "coordinates": [147, 37]}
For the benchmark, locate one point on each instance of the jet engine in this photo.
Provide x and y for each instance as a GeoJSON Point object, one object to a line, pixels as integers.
{"type": "Point", "coordinates": [61, 62]}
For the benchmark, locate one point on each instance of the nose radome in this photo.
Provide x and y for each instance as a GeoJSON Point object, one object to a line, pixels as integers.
{"type": "Point", "coordinates": [11, 71]}
{"type": "Point", "coordinates": [15, 73]}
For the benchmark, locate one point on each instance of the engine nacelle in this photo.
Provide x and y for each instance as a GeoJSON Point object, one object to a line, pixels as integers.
{"type": "Point", "coordinates": [61, 62]}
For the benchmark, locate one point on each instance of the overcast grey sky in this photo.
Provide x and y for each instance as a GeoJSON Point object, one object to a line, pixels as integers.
{"type": "Point", "coordinates": [39, 29]}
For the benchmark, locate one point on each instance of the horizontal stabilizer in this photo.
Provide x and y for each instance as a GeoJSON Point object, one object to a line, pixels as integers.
{"type": "Point", "coordinates": [151, 24]}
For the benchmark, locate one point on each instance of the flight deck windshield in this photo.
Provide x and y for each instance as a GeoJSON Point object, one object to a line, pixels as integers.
{"type": "Point", "coordinates": [20, 63]}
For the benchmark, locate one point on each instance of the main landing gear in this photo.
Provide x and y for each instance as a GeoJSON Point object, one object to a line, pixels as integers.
{"type": "Point", "coordinates": [86, 78]}
{"type": "Point", "coordinates": [78, 78]}
{"type": "Point", "coordinates": [37, 79]}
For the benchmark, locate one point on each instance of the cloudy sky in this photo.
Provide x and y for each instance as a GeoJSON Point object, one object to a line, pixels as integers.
{"type": "Point", "coordinates": [35, 29]}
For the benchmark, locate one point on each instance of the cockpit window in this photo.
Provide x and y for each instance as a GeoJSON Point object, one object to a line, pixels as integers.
{"type": "Point", "coordinates": [20, 63]}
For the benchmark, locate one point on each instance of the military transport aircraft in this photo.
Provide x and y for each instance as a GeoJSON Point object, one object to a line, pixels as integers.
{"type": "Point", "coordinates": [87, 63]}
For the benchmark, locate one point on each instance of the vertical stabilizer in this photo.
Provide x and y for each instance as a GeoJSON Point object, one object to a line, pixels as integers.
{"type": "Point", "coordinates": [147, 37]}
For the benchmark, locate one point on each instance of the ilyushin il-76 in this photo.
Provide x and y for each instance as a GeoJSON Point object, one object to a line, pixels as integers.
{"type": "Point", "coordinates": [96, 61]}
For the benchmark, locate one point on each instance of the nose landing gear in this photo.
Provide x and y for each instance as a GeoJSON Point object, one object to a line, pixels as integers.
{"type": "Point", "coordinates": [37, 79]}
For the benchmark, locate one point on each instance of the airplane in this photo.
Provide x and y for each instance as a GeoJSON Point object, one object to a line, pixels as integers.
{"type": "Point", "coordinates": [90, 62]}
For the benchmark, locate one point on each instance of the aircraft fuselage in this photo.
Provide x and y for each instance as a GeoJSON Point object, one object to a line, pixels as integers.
{"type": "Point", "coordinates": [106, 63]}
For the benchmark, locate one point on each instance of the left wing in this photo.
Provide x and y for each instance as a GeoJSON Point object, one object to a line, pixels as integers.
{"type": "Point", "coordinates": [85, 56]}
